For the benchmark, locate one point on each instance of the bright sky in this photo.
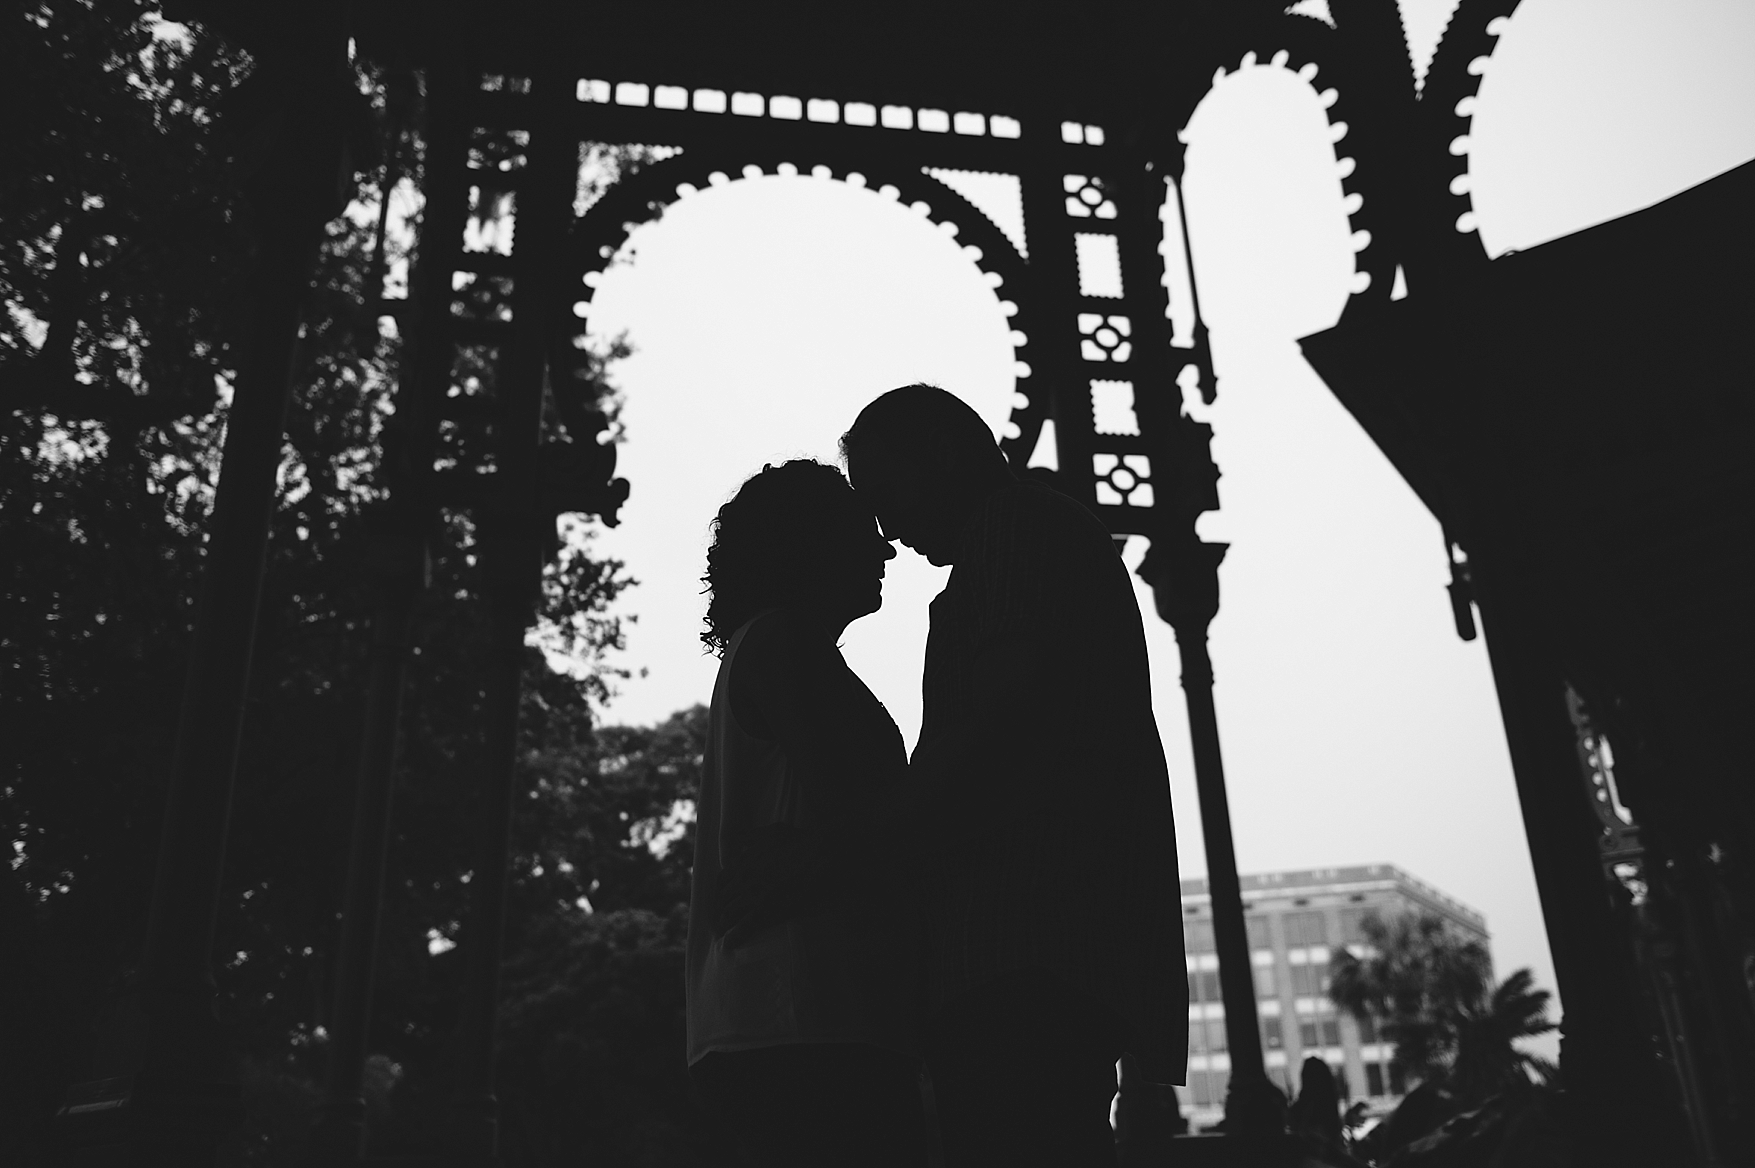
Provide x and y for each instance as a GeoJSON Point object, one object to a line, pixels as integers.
{"type": "Point", "coordinates": [1357, 728]}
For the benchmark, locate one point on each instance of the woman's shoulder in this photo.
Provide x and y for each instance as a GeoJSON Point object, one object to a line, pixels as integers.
{"type": "Point", "coordinates": [779, 640]}
{"type": "Point", "coordinates": [777, 629]}
{"type": "Point", "coordinates": [758, 651]}
{"type": "Point", "coordinates": [783, 665]}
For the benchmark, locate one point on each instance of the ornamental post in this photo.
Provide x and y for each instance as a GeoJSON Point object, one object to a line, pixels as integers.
{"type": "Point", "coordinates": [515, 524]}
{"type": "Point", "coordinates": [1184, 575]}
{"type": "Point", "coordinates": [1183, 571]}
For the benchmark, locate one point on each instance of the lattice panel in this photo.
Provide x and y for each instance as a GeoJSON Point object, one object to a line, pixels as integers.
{"type": "Point", "coordinates": [1087, 313]}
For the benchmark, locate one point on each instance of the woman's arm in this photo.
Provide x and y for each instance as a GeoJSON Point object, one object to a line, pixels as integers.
{"type": "Point", "coordinates": [790, 685]}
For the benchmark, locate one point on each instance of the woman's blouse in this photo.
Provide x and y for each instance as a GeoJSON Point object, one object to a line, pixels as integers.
{"type": "Point", "coordinates": [843, 975]}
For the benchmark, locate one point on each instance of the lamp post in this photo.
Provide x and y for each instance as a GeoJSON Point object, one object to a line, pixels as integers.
{"type": "Point", "coordinates": [1183, 571]}
{"type": "Point", "coordinates": [1184, 575]}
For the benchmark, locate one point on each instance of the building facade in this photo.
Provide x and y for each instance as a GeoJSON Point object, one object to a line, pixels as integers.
{"type": "Point", "coordinates": [1296, 921]}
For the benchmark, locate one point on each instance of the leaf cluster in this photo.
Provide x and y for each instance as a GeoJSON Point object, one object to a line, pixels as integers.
{"type": "Point", "coordinates": [1417, 976]}
{"type": "Point", "coordinates": [1432, 995]}
{"type": "Point", "coordinates": [122, 235]}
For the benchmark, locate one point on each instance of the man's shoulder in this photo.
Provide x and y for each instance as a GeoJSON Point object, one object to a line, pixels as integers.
{"type": "Point", "coordinates": [1038, 515]}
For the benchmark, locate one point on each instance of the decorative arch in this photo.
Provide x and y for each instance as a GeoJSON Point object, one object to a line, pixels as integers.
{"type": "Point", "coordinates": [1360, 130]}
{"type": "Point", "coordinates": [640, 198]}
{"type": "Point", "coordinates": [1446, 115]}
{"type": "Point", "coordinates": [1402, 154]}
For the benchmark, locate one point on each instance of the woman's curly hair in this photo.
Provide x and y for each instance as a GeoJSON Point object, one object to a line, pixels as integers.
{"type": "Point", "coordinates": [765, 538]}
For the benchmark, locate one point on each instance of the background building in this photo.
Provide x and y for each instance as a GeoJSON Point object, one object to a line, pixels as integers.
{"type": "Point", "coordinates": [1295, 921]}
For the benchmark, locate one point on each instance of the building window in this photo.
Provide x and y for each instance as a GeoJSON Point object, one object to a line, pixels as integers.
{"type": "Point", "coordinates": [1331, 1031]}
{"type": "Point", "coordinates": [1215, 1035]}
{"type": "Point", "coordinates": [1198, 935]}
{"type": "Point", "coordinates": [1305, 928]}
{"type": "Point", "coordinates": [1270, 1032]}
{"type": "Point", "coordinates": [1367, 1030]}
{"type": "Point", "coordinates": [1353, 925]}
{"type": "Point", "coordinates": [1309, 980]}
{"type": "Point", "coordinates": [1197, 1034]}
{"type": "Point", "coordinates": [1193, 986]}
{"type": "Point", "coordinates": [1208, 1087]}
{"type": "Point", "coordinates": [1373, 1078]}
{"type": "Point", "coordinates": [1307, 1035]}
{"type": "Point", "coordinates": [1265, 986]}
{"type": "Point", "coordinates": [1209, 986]}
{"type": "Point", "coordinates": [1258, 932]}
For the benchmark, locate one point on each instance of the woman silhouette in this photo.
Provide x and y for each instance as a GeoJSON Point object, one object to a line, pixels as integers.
{"type": "Point", "coordinates": [799, 1034]}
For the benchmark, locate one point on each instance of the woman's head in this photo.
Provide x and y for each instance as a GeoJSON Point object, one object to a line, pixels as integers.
{"type": "Point", "coordinates": [794, 535]}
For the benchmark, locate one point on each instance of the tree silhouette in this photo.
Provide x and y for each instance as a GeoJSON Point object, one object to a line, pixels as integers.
{"type": "Point", "coordinates": [1415, 980]}
{"type": "Point", "coordinates": [118, 273]}
{"type": "Point", "coordinates": [1430, 993]}
{"type": "Point", "coordinates": [1487, 1054]}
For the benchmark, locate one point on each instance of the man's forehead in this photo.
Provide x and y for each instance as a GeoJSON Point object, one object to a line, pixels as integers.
{"type": "Point", "coordinates": [869, 468]}
{"type": "Point", "coordinates": [879, 463]}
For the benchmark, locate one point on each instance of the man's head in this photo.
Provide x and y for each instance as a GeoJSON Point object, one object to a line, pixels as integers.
{"type": "Point", "coordinates": [924, 460]}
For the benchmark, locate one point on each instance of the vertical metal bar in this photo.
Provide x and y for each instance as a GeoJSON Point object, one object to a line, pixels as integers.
{"type": "Point", "coordinates": [1185, 584]}
{"type": "Point", "coordinates": [1053, 346]}
{"type": "Point", "coordinates": [1157, 401]}
{"type": "Point", "coordinates": [1184, 574]}
{"type": "Point", "coordinates": [474, 1134]}
{"type": "Point", "coordinates": [340, 1127]}
{"type": "Point", "coordinates": [515, 533]}
{"type": "Point", "coordinates": [1203, 349]}
{"type": "Point", "coordinates": [1236, 978]}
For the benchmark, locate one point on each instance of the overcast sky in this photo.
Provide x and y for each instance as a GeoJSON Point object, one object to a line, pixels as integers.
{"type": "Point", "coordinates": [1357, 728]}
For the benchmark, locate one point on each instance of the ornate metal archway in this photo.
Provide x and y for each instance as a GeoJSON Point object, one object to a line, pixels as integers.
{"type": "Point", "coordinates": [1098, 93]}
{"type": "Point", "coordinates": [1097, 375]}
{"type": "Point", "coordinates": [598, 235]}
{"type": "Point", "coordinates": [1087, 305]}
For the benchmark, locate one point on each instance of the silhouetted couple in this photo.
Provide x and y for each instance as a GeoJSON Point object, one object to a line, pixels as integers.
{"type": "Point", "coordinates": [1004, 906]}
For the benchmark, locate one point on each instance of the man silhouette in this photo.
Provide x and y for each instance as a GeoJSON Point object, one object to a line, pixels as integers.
{"type": "Point", "coordinates": [1051, 906]}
